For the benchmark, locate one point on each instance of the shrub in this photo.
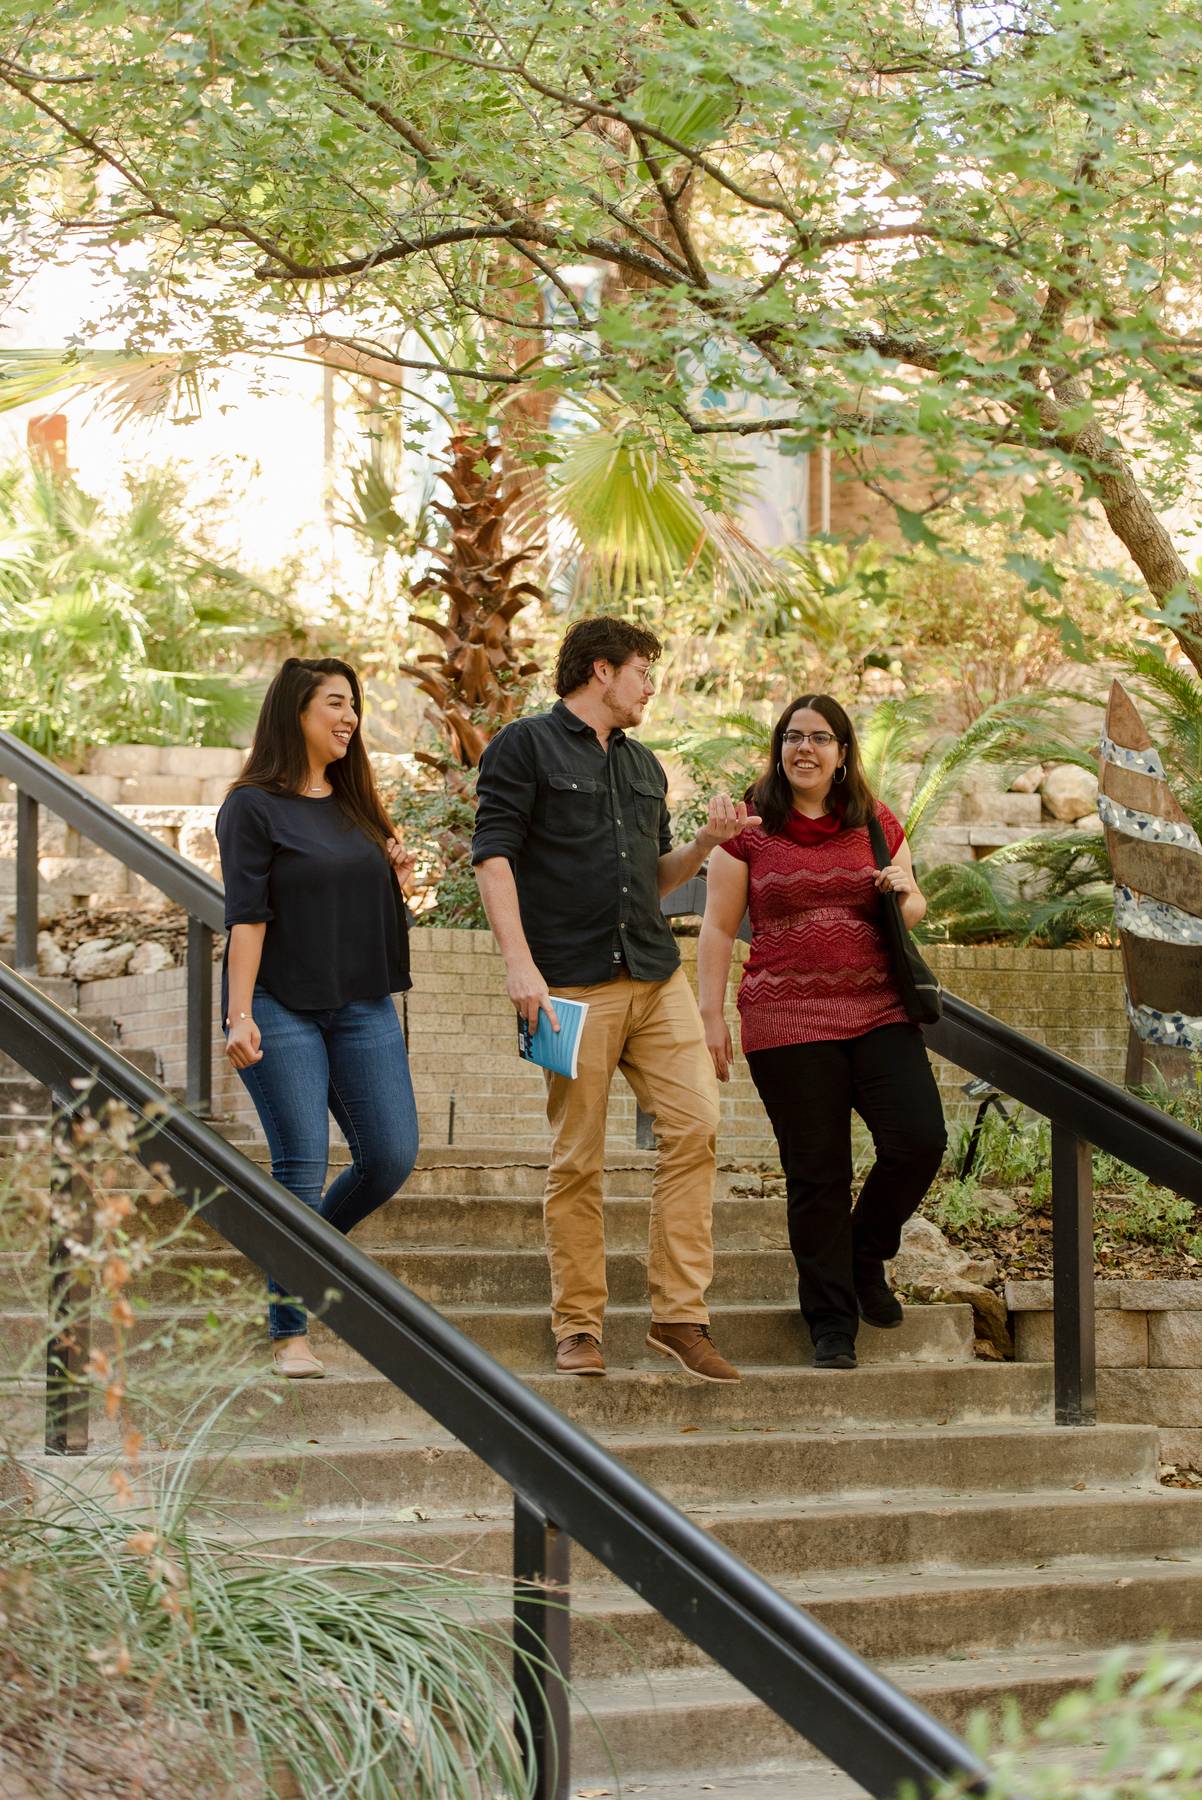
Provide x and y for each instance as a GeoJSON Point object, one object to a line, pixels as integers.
{"type": "Point", "coordinates": [122, 625]}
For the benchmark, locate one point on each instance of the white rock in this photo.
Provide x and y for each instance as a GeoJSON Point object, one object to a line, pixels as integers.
{"type": "Point", "coordinates": [149, 958]}
{"type": "Point", "coordinates": [1029, 781]}
{"type": "Point", "coordinates": [928, 1268]}
{"type": "Point", "coordinates": [51, 959]}
{"type": "Point", "coordinates": [97, 958]}
{"type": "Point", "coordinates": [1069, 793]}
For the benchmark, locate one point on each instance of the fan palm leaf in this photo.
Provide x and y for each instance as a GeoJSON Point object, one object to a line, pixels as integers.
{"type": "Point", "coordinates": [633, 521]}
{"type": "Point", "coordinates": [128, 384]}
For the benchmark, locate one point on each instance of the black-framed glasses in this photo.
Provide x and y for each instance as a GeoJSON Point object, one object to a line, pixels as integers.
{"type": "Point", "coordinates": [821, 740]}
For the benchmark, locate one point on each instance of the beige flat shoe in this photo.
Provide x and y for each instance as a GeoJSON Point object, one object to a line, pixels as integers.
{"type": "Point", "coordinates": [294, 1360]}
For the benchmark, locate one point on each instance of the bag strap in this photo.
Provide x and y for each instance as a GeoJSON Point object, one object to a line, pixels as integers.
{"type": "Point", "coordinates": [880, 848]}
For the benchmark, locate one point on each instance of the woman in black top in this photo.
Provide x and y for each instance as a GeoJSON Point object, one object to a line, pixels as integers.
{"type": "Point", "coordinates": [317, 946]}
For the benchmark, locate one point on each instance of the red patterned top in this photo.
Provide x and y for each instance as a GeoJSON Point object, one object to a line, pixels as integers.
{"type": "Point", "coordinates": [818, 967]}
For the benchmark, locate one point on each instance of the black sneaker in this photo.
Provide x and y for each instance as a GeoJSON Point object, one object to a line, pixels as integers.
{"type": "Point", "coordinates": [835, 1350]}
{"type": "Point", "coordinates": [878, 1304]}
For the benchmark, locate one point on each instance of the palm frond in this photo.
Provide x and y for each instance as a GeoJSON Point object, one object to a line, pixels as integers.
{"type": "Point", "coordinates": [966, 903]}
{"type": "Point", "coordinates": [890, 737]}
{"type": "Point", "coordinates": [126, 383]}
{"type": "Point", "coordinates": [636, 522]}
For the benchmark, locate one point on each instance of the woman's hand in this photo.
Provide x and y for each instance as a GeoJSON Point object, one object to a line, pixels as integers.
{"type": "Point", "coordinates": [403, 862]}
{"type": "Point", "coordinates": [895, 879]}
{"type": "Point", "coordinates": [717, 1042]}
{"type": "Point", "coordinates": [242, 1044]}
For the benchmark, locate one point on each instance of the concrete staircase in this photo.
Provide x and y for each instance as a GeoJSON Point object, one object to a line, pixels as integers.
{"type": "Point", "coordinates": [924, 1506]}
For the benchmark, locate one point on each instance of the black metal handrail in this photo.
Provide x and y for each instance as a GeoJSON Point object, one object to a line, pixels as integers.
{"type": "Point", "coordinates": [39, 783]}
{"type": "Point", "coordinates": [1085, 1111]}
{"type": "Point", "coordinates": [565, 1485]}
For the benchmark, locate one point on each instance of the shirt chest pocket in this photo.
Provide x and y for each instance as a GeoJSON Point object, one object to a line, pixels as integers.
{"type": "Point", "coordinates": [646, 800]}
{"type": "Point", "coordinates": [573, 803]}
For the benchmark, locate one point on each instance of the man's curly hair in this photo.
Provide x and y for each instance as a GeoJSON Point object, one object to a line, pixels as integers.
{"type": "Point", "coordinates": [591, 640]}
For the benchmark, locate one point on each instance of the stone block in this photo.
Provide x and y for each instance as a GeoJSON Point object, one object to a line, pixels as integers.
{"type": "Point", "coordinates": [1020, 809]}
{"type": "Point", "coordinates": [124, 759]}
{"type": "Point", "coordinates": [53, 836]}
{"type": "Point", "coordinates": [207, 761]}
{"type": "Point", "coordinates": [1174, 1339]}
{"type": "Point", "coordinates": [1181, 1448]}
{"type": "Point", "coordinates": [1036, 1296]}
{"type": "Point", "coordinates": [214, 788]}
{"type": "Point", "coordinates": [984, 838]}
{"type": "Point", "coordinates": [1121, 1338]}
{"type": "Point", "coordinates": [153, 789]}
{"type": "Point", "coordinates": [1161, 1296]}
{"type": "Point", "coordinates": [1028, 782]}
{"type": "Point", "coordinates": [104, 787]}
{"type": "Point", "coordinates": [1150, 1397]}
{"type": "Point", "coordinates": [98, 876]}
{"type": "Point", "coordinates": [199, 844]}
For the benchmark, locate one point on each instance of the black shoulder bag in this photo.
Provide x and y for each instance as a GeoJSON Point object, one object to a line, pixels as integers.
{"type": "Point", "coordinates": [921, 994]}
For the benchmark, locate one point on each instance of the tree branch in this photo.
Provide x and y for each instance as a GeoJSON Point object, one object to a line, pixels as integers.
{"type": "Point", "coordinates": [394, 252]}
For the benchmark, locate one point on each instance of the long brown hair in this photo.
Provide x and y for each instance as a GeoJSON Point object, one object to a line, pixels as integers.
{"type": "Point", "coordinates": [851, 799]}
{"type": "Point", "coordinates": [278, 760]}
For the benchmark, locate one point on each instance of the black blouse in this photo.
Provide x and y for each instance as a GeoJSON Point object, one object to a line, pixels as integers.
{"type": "Point", "coordinates": [335, 916]}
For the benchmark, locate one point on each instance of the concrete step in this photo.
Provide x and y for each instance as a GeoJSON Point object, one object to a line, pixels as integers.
{"type": "Point", "coordinates": [345, 1478]}
{"type": "Point", "coordinates": [456, 1277]}
{"type": "Point", "coordinates": [60, 988]}
{"type": "Point", "coordinates": [686, 1735]}
{"type": "Point", "coordinates": [865, 1538]}
{"type": "Point", "coordinates": [522, 1172]}
{"type": "Point", "coordinates": [765, 1400]}
{"type": "Point", "coordinates": [471, 1221]}
{"type": "Point", "coordinates": [521, 1337]}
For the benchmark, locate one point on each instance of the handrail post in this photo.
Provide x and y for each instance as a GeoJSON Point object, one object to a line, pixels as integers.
{"type": "Point", "coordinates": [27, 883]}
{"type": "Point", "coordinates": [68, 1340]}
{"type": "Point", "coordinates": [199, 1088]}
{"type": "Point", "coordinates": [1072, 1279]}
{"type": "Point", "coordinates": [542, 1636]}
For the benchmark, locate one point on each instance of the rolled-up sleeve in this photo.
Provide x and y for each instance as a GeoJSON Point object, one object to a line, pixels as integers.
{"type": "Point", "coordinates": [505, 794]}
{"type": "Point", "coordinates": [244, 839]}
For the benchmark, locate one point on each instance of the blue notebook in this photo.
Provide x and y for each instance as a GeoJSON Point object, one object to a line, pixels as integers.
{"type": "Point", "coordinates": [559, 1050]}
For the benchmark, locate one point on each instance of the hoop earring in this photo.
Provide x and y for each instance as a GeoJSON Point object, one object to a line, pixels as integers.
{"type": "Point", "coordinates": [840, 773]}
{"type": "Point", "coordinates": [780, 769]}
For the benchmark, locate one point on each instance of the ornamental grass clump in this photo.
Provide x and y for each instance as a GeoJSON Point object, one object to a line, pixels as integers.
{"type": "Point", "coordinates": [147, 1646]}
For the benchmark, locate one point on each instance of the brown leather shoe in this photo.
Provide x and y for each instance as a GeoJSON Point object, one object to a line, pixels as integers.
{"type": "Point", "coordinates": [693, 1349]}
{"type": "Point", "coordinates": [579, 1354]}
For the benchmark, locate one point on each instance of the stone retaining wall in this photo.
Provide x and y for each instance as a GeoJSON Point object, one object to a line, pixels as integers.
{"type": "Point", "coordinates": [1149, 1350]}
{"type": "Point", "coordinates": [461, 1034]}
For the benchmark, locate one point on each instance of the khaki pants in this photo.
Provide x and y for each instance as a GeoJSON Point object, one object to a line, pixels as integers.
{"type": "Point", "coordinates": [652, 1031]}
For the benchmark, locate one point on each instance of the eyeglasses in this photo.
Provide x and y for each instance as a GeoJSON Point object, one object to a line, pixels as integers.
{"type": "Point", "coordinates": [821, 740]}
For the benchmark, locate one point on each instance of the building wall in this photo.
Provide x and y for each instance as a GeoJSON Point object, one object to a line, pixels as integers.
{"type": "Point", "coordinates": [462, 1037]}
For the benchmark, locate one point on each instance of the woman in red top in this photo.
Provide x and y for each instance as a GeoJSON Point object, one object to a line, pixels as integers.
{"type": "Point", "coordinates": [823, 1025]}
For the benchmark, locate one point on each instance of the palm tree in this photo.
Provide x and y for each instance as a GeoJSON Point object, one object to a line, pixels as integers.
{"type": "Point", "coordinates": [479, 679]}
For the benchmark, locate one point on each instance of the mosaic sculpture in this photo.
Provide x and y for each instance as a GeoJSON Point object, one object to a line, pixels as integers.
{"type": "Point", "coordinates": [1156, 860]}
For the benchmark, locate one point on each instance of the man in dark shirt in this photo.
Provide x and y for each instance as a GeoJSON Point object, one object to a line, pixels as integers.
{"type": "Point", "coordinates": [572, 850]}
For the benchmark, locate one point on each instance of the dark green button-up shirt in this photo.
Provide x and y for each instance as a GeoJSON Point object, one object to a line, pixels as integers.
{"type": "Point", "coordinates": [584, 828]}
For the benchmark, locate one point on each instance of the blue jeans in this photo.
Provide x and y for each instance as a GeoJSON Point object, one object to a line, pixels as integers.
{"type": "Point", "coordinates": [352, 1062]}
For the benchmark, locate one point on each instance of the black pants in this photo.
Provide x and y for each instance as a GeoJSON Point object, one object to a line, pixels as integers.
{"type": "Point", "coordinates": [809, 1092]}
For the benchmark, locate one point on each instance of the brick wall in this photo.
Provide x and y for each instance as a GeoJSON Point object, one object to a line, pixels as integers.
{"type": "Point", "coordinates": [462, 1035]}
